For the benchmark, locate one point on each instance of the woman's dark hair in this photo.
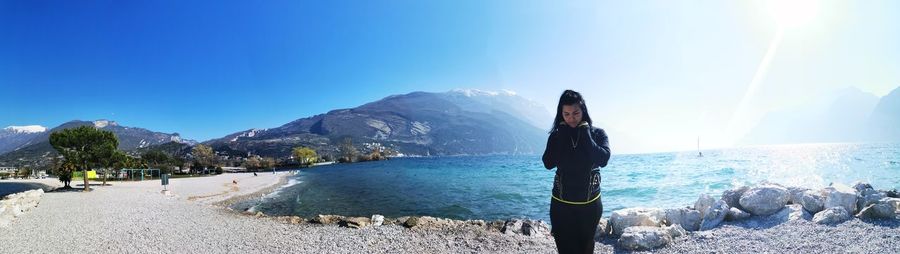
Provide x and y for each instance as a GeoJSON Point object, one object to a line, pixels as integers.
{"type": "Point", "coordinates": [570, 97]}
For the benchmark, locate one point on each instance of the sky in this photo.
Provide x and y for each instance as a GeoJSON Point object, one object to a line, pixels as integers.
{"type": "Point", "coordinates": [656, 74]}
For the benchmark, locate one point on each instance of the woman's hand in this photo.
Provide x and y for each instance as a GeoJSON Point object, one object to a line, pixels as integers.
{"type": "Point", "coordinates": [583, 124]}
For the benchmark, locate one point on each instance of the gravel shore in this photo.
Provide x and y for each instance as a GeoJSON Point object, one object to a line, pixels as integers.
{"type": "Point", "coordinates": [134, 217]}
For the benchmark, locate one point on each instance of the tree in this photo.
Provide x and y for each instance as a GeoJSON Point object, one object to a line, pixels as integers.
{"type": "Point", "coordinates": [158, 159]}
{"type": "Point", "coordinates": [267, 162]}
{"type": "Point", "coordinates": [305, 155]}
{"type": "Point", "coordinates": [204, 155]}
{"type": "Point", "coordinates": [115, 161]}
{"type": "Point", "coordinates": [84, 146]}
{"type": "Point", "coordinates": [252, 162]}
{"type": "Point", "coordinates": [24, 171]}
{"type": "Point", "coordinates": [64, 172]}
{"type": "Point", "coordinates": [347, 150]}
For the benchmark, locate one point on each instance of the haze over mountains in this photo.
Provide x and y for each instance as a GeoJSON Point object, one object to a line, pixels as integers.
{"type": "Point", "coordinates": [846, 115]}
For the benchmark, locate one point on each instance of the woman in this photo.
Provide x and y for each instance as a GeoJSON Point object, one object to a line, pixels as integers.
{"type": "Point", "coordinates": [577, 150]}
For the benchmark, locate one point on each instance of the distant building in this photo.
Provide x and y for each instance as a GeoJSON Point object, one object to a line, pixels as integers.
{"type": "Point", "coordinates": [8, 169]}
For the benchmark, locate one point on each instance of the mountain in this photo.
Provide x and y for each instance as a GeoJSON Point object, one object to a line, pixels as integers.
{"type": "Point", "coordinates": [885, 118]}
{"type": "Point", "coordinates": [504, 101]}
{"type": "Point", "coordinates": [459, 122]}
{"type": "Point", "coordinates": [15, 137]}
{"type": "Point", "coordinates": [845, 115]}
{"type": "Point", "coordinates": [38, 150]}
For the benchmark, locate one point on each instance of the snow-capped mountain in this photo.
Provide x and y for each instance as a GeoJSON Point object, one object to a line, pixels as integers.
{"type": "Point", "coordinates": [14, 137]}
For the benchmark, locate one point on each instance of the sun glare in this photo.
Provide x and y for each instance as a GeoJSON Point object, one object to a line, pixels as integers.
{"type": "Point", "coordinates": [792, 13]}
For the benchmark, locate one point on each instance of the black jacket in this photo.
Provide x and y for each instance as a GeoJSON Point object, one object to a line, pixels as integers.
{"type": "Point", "coordinates": [577, 153]}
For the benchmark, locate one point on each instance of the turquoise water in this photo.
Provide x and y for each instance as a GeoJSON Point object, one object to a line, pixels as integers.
{"type": "Point", "coordinates": [500, 187]}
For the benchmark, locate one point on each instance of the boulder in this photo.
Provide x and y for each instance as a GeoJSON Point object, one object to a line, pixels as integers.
{"type": "Point", "coordinates": [496, 225]}
{"type": "Point", "coordinates": [435, 223]}
{"type": "Point", "coordinates": [840, 195]}
{"type": "Point", "coordinates": [411, 222]}
{"type": "Point", "coordinates": [34, 193]}
{"type": "Point", "coordinates": [603, 229]}
{"type": "Point", "coordinates": [534, 228]}
{"type": "Point", "coordinates": [398, 221]}
{"type": "Point", "coordinates": [877, 211]}
{"type": "Point", "coordinates": [735, 214]}
{"type": "Point", "coordinates": [295, 220]}
{"type": "Point", "coordinates": [703, 203]}
{"type": "Point", "coordinates": [355, 222]}
{"type": "Point", "coordinates": [831, 216]}
{"type": "Point", "coordinates": [631, 217]}
{"type": "Point", "coordinates": [479, 223]}
{"type": "Point", "coordinates": [512, 227]}
{"type": "Point", "coordinates": [689, 219]}
{"type": "Point", "coordinates": [377, 220]}
{"type": "Point", "coordinates": [714, 215]}
{"type": "Point", "coordinates": [732, 197]}
{"type": "Point", "coordinates": [861, 186]}
{"type": "Point", "coordinates": [812, 201]}
{"type": "Point", "coordinates": [795, 194]}
{"type": "Point", "coordinates": [893, 193]}
{"type": "Point", "coordinates": [675, 232]}
{"type": "Point", "coordinates": [791, 212]}
{"type": "Point", "coordinates": [868, 197]}
{"type": "Point", "coordinates": [327, 219]}
{"type": "Point", "coordinates": [642, 238]}
{"type": "Point", "coordinates": [894, 202]}
{"type": "Point", "coordinates": [764, 200]}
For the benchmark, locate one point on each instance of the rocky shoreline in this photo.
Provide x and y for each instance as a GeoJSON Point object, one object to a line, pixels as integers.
{"type": "Point", "coordinates": [177, 221]}
{"type": "Point", "coordinates": [642, 229]}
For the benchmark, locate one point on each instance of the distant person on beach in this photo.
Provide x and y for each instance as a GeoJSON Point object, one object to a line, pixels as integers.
{"type": "Point", "coordinates": [577, 150]}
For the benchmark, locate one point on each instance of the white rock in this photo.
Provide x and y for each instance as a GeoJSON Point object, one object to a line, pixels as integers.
{"type": "Point", "coordinates": [689, 219]}
{"type": "Point", "coordinates": [535, 228]}
{"type": "Point", "coordinates": [525, 227]}
{"type": "Point", "coordinates": [736, 214]}
{"type": "Point", "coordinates": [861, 186]}
{"type": "Point", "coordinates": [631, 217]}
{"type": "Point", "coordinates": [894, 202]}
{"type": "Point", "coordinates": [764, 200]}
{"type": "Point", "coordinates": [869, 197]}
{"type": "Point", "coordinates": [377, 220]}
{"type": "Point", "coordinates": [840, 195]}
{"type": "Point", "coordinates": [703, 203]}
{"type": "Point", "coordinates": [877, 211]}
{"type": "Point", "coordinates": [675, 231]}
{"type": "Point", "coordinates": [832, 215]}
{"type": "Point", "coordinates": [732, 197]}
{"type": "Point", "coordinates": [35, 193]}
{"type": "Point", "coordinates": [796, 194]}
{"type": "Point", "coordinates": [813, 201]}
{"type": "Point", "coordinates": [603, 229]}
{"type": "Point", "coordinates": [714, 215]}
{"type": "Point", "coordinates": [791, 212]}
{"type": "Point", "coordinates": [645, 237]}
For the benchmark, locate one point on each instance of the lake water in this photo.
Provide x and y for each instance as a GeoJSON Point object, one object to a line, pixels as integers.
{"type": "Point", "coordinates": [501, 187]}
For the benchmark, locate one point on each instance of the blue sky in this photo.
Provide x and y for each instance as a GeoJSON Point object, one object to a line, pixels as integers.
{"type": "Point", "coordinates": [656, 73]}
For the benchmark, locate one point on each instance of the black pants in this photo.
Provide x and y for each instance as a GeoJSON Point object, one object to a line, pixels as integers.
{"type": "Point", "coordinates": [573, 226]}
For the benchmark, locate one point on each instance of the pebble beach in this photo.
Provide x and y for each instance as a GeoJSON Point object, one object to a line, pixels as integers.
{"type": "Point", "coordinates": [135, 217]}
